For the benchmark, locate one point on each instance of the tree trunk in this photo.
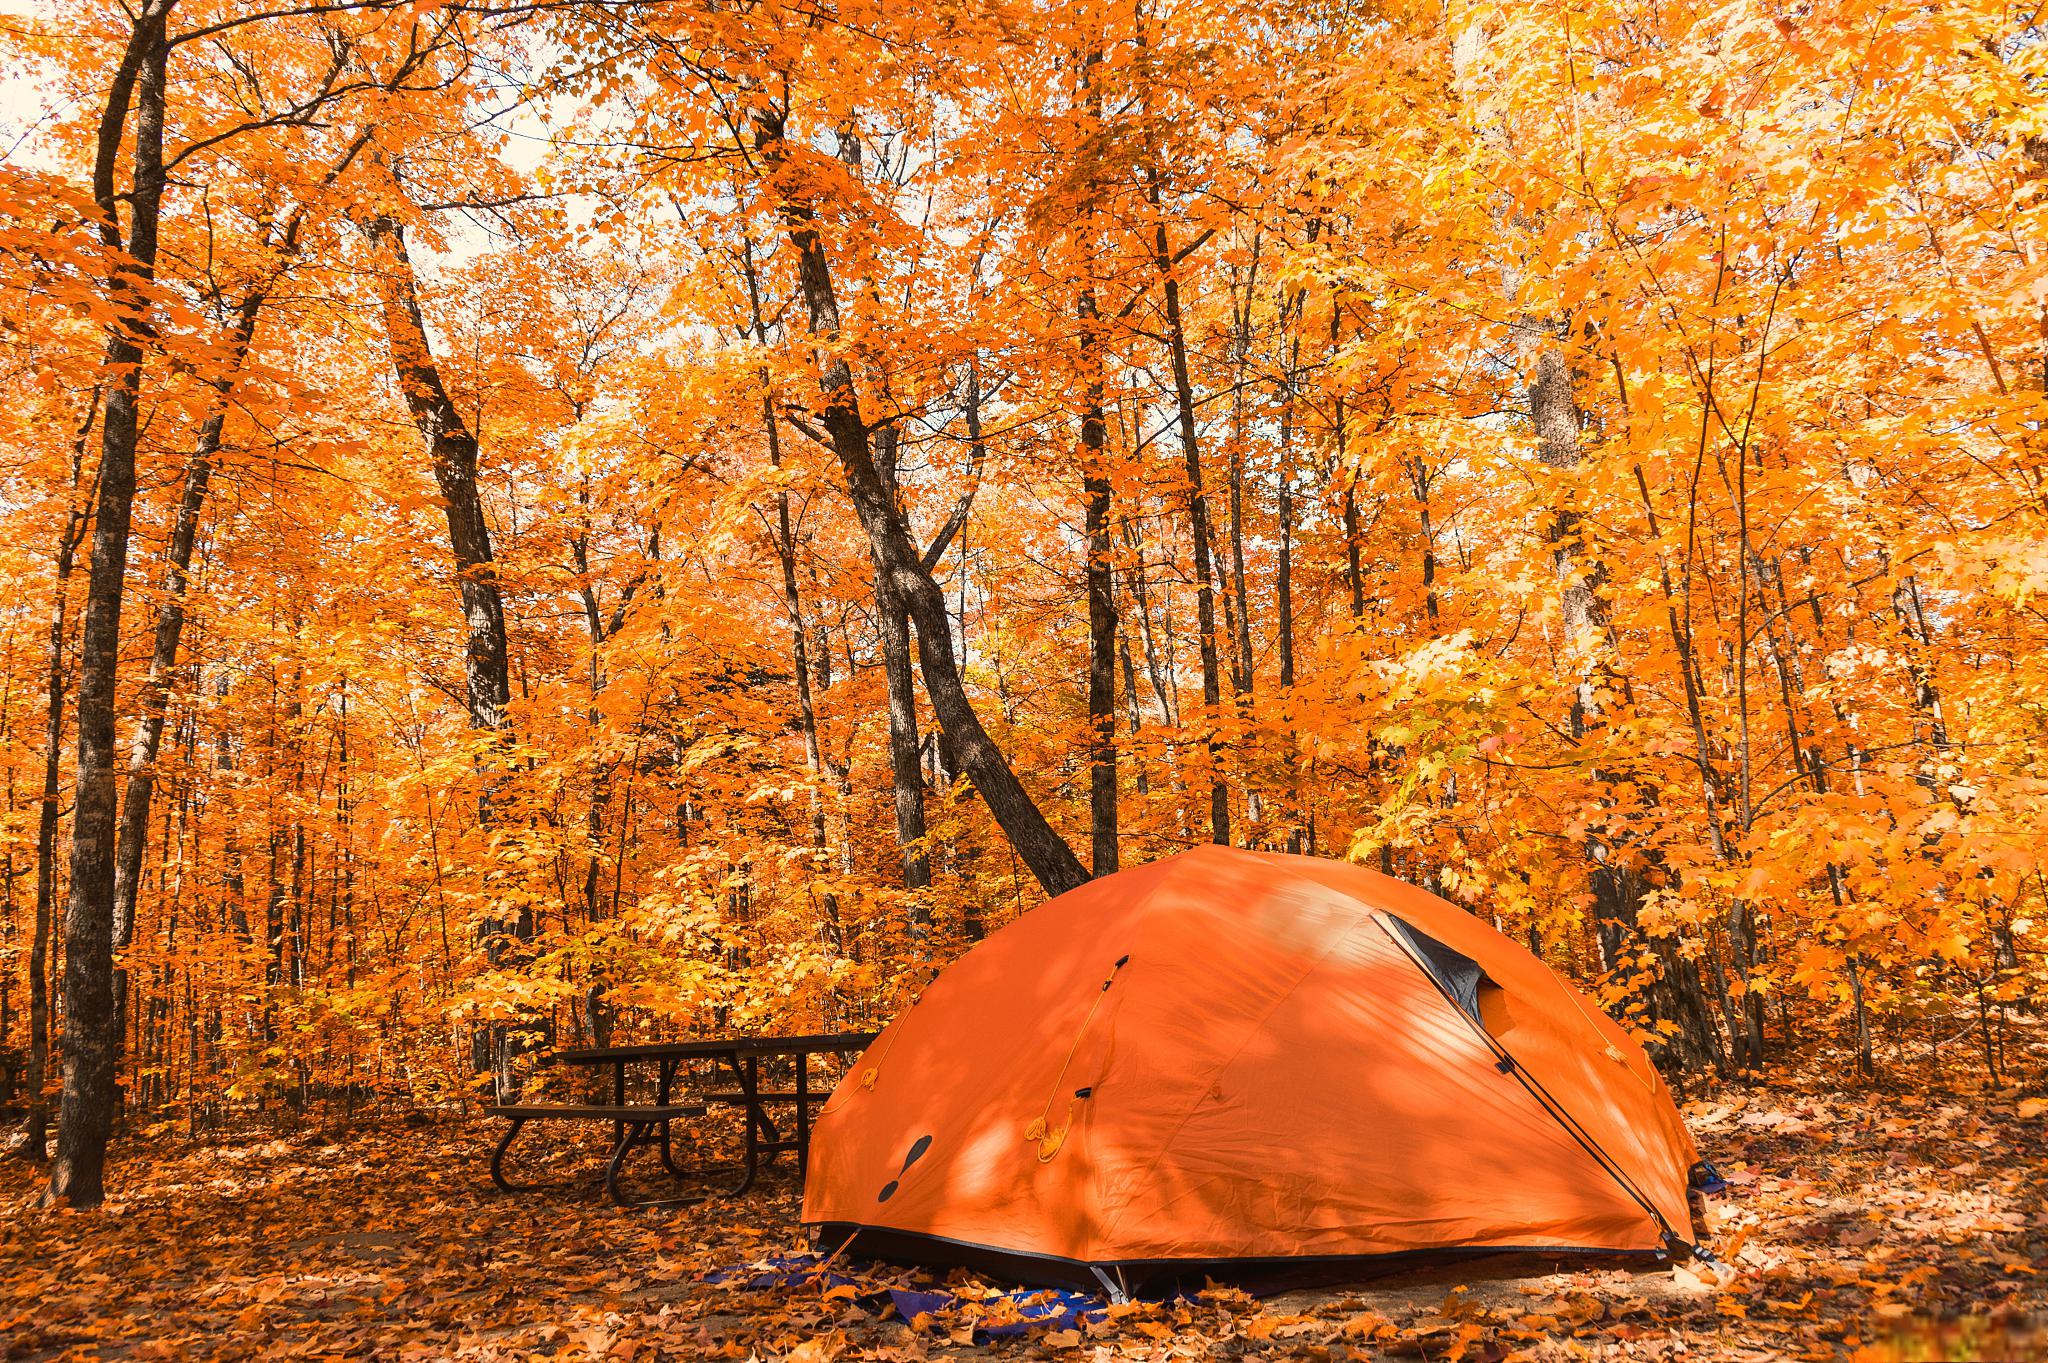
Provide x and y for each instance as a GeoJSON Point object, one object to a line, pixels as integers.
{"type": "Point", "coordinates": [906, 769]}
{"type": "Point", "coordinates": [1619, 880]}
{"type": "Point", "coordinates": [1422, 479]}
{"type": "Point", "coordinates": [452, 452]}
{"type": "Point", "coordinates": [1198, 516]}
{"type": "Point", "coordinates": [1102, 622]}
{"type": "Point", "coordinates": [133, 831]}
{"type": "Point", "coordinates": [35, 1125]}
{"type": "Point", "coordinates": [1554, 412]}
{"type": "Point", "coordinates": [1041, 848]}
{"type": "Point", "coordinates": [1354, 568]}
{"type": "Point", "coordinates": [1241, 668]}
{"type": "Point", "coordinates": [1283, 590]}
{"type": "Point", "coordinates": [1103, 814]}
{"type": "Point", "coordinates": [1095, 489]}
{"type": "Point", "coordinates": [1617, 886]}
{"type": "Point", "coordinates": [86, 1118]}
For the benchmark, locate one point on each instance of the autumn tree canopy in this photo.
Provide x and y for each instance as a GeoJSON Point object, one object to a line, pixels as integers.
{"type": "Point", "coordinates": [525, 522]}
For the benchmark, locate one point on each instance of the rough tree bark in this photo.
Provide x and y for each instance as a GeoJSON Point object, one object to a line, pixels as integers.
{"type": "Point", "coordinates": [1618, 886]}
{"type": "Point", "coordinates": [1042, 849]}
{"type": "Point", "coordinates": [1354, 569]}
{"type": "Point", "coordinates": [133, 830]}
{"type": "Point", "coordinates": [1102, 621]}
{"type": "Point", "coordinates": [1198, 513]}
{"type": "Point", "coordinates": [1242, 676]}
{"type": "Point", "coordinates": [1095, 488]}
{"type": "Point", "coordinates": [1619, 878]}
{"type": "Point", "coordinates": [452, 453]}
{"type": "Point", "coordinates": [906, 771]}
{"type": "Point", "coordinates": [1283, 577]}
{"type": "Point", "coordinates": [34, 1143]}
{"type": "Point", "coordinates": [86, 1117]}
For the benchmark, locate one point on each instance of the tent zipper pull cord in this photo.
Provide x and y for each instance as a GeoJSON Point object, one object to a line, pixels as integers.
{"type": "Point", "coordinates": [1672, 1242]}
{"type": "Point", "coordinates": [1041, 1130]}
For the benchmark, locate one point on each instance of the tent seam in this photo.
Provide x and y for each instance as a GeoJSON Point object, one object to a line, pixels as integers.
{"type": "Point", "coordinates": [1545, 1101]}
{"type": "Point", "coordinates": [1135, 956]}
{"type": "Point", "coordinates": [1252, 1035]}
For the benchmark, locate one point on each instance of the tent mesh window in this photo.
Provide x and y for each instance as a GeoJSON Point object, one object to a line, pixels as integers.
{"type": "Point", "coordinates": [1457, 974]}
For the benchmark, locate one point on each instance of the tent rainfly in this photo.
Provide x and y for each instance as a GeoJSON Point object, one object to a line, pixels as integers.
{"type": "Point", "coordinates": [1233, 1063]}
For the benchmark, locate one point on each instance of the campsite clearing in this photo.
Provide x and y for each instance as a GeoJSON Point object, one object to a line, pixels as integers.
{"type": "Point", "coordinates": [1857, 1222]}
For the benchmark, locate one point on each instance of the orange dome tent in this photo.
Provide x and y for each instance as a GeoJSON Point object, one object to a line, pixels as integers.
{"type": "Point", "coordinates": [1227, 1061]}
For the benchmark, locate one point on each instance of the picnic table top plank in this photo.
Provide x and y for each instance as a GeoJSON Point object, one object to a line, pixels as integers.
{"type": "Point", "coordinates": [708, 1047]}
{"type": "Point", "coordinates": [655, 1112]}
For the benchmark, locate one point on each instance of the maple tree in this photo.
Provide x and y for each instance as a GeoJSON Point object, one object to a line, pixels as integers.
{"type": "Point", "coordinates": [535, 522]}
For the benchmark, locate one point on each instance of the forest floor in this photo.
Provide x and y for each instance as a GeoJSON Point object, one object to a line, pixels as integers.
{"type": "Point", "coordinates": [1901, 1225]}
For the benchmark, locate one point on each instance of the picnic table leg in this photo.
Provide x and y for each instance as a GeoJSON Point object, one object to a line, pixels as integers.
{"type": "Point", "coordinates": [667, 1086]}
{"type": "Point", "coordinates": [629, 1133]}
{"type": "Point", "coordinates": [803, 1111]}
{"type": "Point", "coordinates": [498, 1158]}
{"type": "Point", "coordinates": [619, 1097]}
{"type": "Point", "coordinates": [663, 1141]}
{"type": "Point", "coordinates": [747, 1072]}
{"type": "Point", "coordinates": [767, 1118]}
{"type": "Point", "coordinates": [678, 1172]}
{"type": "Point", "coordinates": [641, 1133]}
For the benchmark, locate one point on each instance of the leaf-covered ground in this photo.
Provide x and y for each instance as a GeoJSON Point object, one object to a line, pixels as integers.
{"type": "Point", "coordinates": [1902, 1225]}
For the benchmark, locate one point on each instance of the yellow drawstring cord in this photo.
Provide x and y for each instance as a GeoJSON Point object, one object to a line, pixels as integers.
{"type": "Point", "coordinates": [873, 1073]}
{"type": "Point", "coordinates": [1050, 1139]}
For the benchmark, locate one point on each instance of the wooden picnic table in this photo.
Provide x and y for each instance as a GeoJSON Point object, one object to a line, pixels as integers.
{"type": "Point", "coordinates": [641, 1124]}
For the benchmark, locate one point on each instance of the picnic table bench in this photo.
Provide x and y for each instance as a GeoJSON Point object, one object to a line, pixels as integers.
{"type": "Point", "coordinates": [639, 1124]}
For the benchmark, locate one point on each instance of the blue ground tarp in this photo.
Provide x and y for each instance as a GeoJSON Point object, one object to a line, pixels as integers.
{"type": "Point", "coordinates": [1005, 1313]}
{"type": "Point", "coordinates": [994, 1314]}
